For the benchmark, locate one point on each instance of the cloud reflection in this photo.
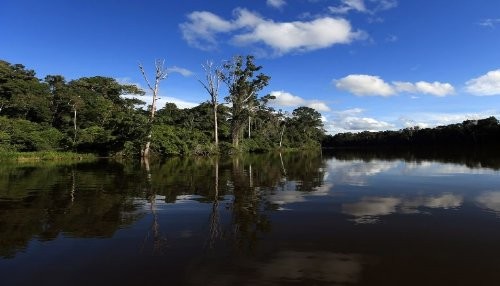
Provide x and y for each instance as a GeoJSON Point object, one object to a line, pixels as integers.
{"type": "Point", "coordinates": [490, 200]}
{"type": "Point", "coordinates": [370, 209]}
{"type": "Point", "coordinates": [357, 172]}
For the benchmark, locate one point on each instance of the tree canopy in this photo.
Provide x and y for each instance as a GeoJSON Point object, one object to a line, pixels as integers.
{"type": "Point", "coordinates": [94, 115]}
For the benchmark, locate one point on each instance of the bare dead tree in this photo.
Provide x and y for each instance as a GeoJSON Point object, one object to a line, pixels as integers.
{"type": "Point", "coordinates": [213, 79]}
{"type": "Point", "coordinates": [160, 74]}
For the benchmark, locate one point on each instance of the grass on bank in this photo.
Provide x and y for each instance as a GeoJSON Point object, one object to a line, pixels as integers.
{"type": "Point", "coordinates": [44, 156]}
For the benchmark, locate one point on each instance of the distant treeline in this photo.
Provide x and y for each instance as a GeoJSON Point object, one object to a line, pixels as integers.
{"type": "Point", "coordinates": [470, 133]}
{"type": "Point", "coordinates": [94, 115]}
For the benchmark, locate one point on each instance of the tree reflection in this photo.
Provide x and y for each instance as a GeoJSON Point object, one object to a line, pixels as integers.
{"type": "Point", "coordinates": [97, 199]}
{"type": "Point", "coordinates": [252, 181]}
{"type": "Point", "coordinates": [215, 230]}
{"type": "Point", "coordinates": [45, 201]}
{"type": "Point", "coordinates": [158, 239]}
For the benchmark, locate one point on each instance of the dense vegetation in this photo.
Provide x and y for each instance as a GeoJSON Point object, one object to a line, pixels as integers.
{"type": "Point", "coordinates": [91, 115]}
{"type": "Point", "coordinates": [470, 133]}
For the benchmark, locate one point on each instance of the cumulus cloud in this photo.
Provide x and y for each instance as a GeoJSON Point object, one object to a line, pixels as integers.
{"type": "Point", "coordinates": [247, 27]}
{"type": "Point", "coordinates": [202, 27]}
{"type": "Point", "coordinates": [365, 85]}
{"type": "Point", "coordinates": [433, 88]}
{"type": "Point", "coordinates": [318, 105]}
{"type": "Point", "coordinates": [283, 98]}
{"type": "Point", "coordinates": [370, 85]}
{"type": "Point", "coordinates": [365, 123]}
{"type": "Point", "coordinates": [488, 84]}
{"type": "Point", "coordinates": [286, 99]}
{"type": "Point", "coordinates": [352, 120]}
{"type": "Point", "coordinates": [179, 70]}
{"type": "Point", "coordinates": [276, 3]}
{"type": "Point", "coordinates": [300, 36]}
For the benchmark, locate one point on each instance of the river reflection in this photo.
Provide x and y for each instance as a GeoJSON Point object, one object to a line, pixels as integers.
{"type": "Point", "coordinates": [274, 219]}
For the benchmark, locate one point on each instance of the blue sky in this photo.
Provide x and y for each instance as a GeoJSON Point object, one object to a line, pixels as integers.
{"type": "Point", "coordinates": [364, 64]}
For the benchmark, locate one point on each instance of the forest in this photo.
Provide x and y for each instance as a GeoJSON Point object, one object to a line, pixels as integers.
{"type": "Point", "coordinates": [468, 134]}
{"type": "Point", "coordinates": [94, 115]}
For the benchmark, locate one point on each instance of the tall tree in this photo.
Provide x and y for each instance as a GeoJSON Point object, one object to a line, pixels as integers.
{"type": "Point", "coordinates": [212, 77]}
{"type": "Point", "coordinates": [306, 126]}
{"type": "Point", "coordinates": [239, 76]}
{"type": "Point", "coordinates": [160, 74]}
{"type": "Point", "coordinates": [22, 95]}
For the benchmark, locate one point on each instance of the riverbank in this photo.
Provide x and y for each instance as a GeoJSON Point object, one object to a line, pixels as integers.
{"type": "Point", "coordinates": [44, 156]}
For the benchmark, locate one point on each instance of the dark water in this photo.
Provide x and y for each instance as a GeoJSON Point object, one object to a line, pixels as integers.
{"type": "Point", "coordinates": [295, 219]}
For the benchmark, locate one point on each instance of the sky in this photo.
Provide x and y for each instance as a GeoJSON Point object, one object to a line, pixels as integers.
{"type": "Point", "coordinates": [364, 64]}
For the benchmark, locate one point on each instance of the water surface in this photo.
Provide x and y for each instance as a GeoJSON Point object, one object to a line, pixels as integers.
{"type": "Point", "coordinates": [289, 219]}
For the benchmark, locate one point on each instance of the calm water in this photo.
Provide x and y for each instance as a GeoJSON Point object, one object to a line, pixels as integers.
{"type": "Point", "coordinates": [295, 219]}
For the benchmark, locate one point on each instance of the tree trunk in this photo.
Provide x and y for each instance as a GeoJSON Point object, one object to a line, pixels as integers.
{"type": "Point", "coordinates": [161, 74]}
{"type": "Point", "coordinates": [236, 138]}
{"type": "Point", "coordinates": [281, 136]}
{"type": "Point", "coordinates": [216, 133]}
{"type": "Point", "coordinates": [74, 125]}
{"type": "Point", "coordinates": [249, 126]}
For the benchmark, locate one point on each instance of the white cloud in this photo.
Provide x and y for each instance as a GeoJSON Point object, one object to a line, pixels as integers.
{"type": "Point", "coordinates": [488, 84]}
{"type": "Point", "coordinates": [318, 105]}
{"type": "Point", "coordinates": [490, 23]}
{"type": "Point", "coordinates": [348, 5]}
{"type": "Point", "coordinates": [202, 27]}
{"type": "Point", "coordinates": [365, 85]}
{"type": "Point", "coordinates": [370, 85]}
{"type": "Point", "coordinates": [283, 98]}
{"type": "Point", "coordinates": [276, 3]}
{"type": "Point", "coordinates": [286, 99]}
{"type": "Point", "coordinates": [247, 27]}
{"type": "Point", "coordinates": [373, 7]}
{"type": "Point", "coordinates": [382, 5]}
{"type": "Point", "coordinates": [364, 123]}
{"type": "Point", "coordinates": [352, 120]}
{"type": "Point", "coordinates": [182, 71]}
{"type": "Point", "coordinates": [434, 88]}
{"type": "Point", "coordinates": [350, 112]}
{"type": "Point", "coordinates": [287, 37]}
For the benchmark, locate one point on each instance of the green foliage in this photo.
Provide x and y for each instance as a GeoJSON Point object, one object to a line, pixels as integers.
{"type": "Point", "coordinates": [24, 135]}
{"type": "Point", "coordinates": [170, 140]}
{"type": "Point", "coordinates": [243, 86]}
{"type": "Point", "coordinates": [91, 114]}
{"type": "Point", "coordinates": [304, 129]}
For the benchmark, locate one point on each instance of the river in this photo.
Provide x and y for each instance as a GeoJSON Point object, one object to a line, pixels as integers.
{"type": "Point", "coordinates": [272, 219]}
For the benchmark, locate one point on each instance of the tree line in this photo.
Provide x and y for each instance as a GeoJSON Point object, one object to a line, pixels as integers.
{"type": "Point", "coordinates": [469, 133]}
{"type": "Point", "coordinates": [93, 115]}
